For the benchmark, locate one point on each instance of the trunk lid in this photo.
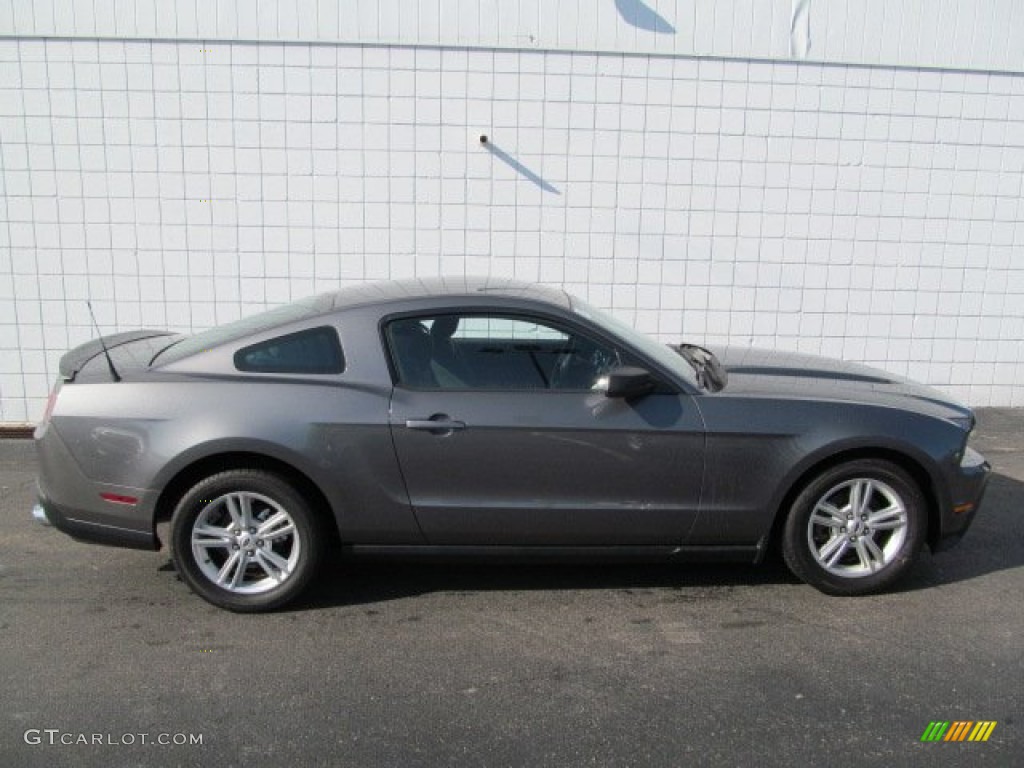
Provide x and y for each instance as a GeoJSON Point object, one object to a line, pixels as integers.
{"type": "Point", "coordinates": [130, 351]}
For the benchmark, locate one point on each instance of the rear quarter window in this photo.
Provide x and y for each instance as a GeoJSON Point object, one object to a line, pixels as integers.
{"type": "Point", "coordinates": [317, 350]}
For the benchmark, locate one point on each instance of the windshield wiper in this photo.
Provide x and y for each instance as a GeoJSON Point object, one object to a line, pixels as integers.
{"type": "Point", "coordinates": [710, 373]}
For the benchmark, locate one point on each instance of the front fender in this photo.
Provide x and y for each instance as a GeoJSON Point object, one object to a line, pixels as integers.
{"type": "Point", "coordinates": [760, 450]}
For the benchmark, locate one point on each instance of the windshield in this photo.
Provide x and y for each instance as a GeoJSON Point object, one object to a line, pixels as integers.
{"type": "Point", "coordinates": [221, 334]}
{"type": "Point", "coordinates": [660, 353]}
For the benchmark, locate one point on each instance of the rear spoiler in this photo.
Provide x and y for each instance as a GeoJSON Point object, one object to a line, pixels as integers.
{"type": "Point", "coordinates": [72, 362]}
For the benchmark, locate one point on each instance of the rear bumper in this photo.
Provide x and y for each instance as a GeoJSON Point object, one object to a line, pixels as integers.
{"type": "Point", "coordinates": [967, 489]}
{"type": "Point", "coordinates": [76, 525]}
{"type": "Point", "coordinates": [39, 514]}
{"type": "Point", "coordinates": [72, 502]}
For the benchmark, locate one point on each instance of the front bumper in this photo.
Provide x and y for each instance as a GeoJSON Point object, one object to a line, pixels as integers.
{"type": "Point", "coordinates": [967, 486]}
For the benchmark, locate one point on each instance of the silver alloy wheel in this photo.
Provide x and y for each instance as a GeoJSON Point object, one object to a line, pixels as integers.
{"type": "Point", "coordinates": [245, 543]}
{"type": "Point", "coordinates": [857, 528]}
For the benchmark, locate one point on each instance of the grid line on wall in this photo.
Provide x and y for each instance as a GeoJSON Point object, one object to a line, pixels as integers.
{"type": "Point", "coordinates": [865, 213]}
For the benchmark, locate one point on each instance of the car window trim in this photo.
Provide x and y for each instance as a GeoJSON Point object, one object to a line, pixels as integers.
{"type": "Point", "coordinates": [336, 337]}
{"type": "Point", "coordinates": [664, 378]}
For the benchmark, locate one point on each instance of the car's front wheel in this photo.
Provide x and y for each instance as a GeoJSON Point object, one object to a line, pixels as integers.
{"type": "Point", "coordinates": [245, 540]}
{"type": "Point", "coordinates": [855, 528]}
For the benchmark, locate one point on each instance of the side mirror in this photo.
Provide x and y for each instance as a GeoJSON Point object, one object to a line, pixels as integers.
{"type": "Point", "coordinates": [628, 382]}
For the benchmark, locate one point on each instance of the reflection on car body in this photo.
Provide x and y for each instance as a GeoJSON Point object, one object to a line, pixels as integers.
{"type": "Point", "coordinates": [475, 416]}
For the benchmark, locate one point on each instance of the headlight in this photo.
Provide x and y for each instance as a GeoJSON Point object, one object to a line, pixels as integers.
{"type": "Point", "coordinates": [971, 458]}
{"type": "Point", "coordinates": [966, 423]}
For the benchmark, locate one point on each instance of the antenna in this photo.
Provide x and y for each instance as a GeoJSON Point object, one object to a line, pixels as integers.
{"type": "Point", "coordinates": [106, 352]}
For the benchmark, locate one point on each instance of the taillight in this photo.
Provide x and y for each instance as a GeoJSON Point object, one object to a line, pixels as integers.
{"type": "Point", "coordinates": [50, 403]}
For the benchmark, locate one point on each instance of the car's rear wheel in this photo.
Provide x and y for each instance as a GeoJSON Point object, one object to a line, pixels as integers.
{"type": "Point", "coordinates": [245, 540]}
{"type": "Point", "coordinates": [855, 528]}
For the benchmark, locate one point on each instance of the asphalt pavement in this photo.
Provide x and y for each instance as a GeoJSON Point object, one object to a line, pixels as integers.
{"type": "Point", "coordinates": [104, 653]}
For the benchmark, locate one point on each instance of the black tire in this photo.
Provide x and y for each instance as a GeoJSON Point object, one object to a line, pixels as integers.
{"type": "Point", "coordinates": [296, 541]}
{"type": "Point", "coordinates": [808, 549]}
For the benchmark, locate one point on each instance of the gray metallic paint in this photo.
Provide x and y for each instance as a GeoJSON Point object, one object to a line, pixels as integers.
{"type": "Point", "coordinates": [565, 469]}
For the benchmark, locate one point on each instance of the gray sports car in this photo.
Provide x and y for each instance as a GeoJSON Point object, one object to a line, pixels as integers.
{"type": "Point", "coordinates": [448, 417]}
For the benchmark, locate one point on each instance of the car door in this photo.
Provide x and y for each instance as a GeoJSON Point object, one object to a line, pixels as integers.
{"type": "Point", "coordinates": [503, 440]}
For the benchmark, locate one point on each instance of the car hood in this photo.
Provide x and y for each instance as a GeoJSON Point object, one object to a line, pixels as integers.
{"type": "Point", "coordinates": [769, 373]}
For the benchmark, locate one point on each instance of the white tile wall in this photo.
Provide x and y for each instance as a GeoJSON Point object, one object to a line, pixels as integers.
{"type": "Point", "coordinates": [866, 213]}
{"type": "Point", "coordinates": [980, 34]}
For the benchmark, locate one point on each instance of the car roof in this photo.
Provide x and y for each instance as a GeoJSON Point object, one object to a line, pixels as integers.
{"type": "Point", "coordinates": [445, 287]}
{"type": "Point", "coordinates": [364, 294]}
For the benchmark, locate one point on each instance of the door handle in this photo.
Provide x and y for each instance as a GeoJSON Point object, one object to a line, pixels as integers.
{"type": "Point", "coordinates": [438, 424]}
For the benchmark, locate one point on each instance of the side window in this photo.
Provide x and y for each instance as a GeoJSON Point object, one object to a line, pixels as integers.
{"type": "Point", "coordinates": [495, 352]}
{"type": "Point", "coordinates": [314, 351]}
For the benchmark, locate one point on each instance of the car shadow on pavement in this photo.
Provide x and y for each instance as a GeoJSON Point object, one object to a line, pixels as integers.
{"type": "Point", "coordinates": [994, 543]}
{"type": "Point", "coordinates": [360, 583]}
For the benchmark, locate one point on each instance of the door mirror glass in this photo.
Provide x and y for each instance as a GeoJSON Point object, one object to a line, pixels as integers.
{"type": "Point", "coordinates": [628, 382]}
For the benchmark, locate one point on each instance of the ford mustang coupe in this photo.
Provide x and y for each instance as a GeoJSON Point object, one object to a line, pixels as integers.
{"type": "Point", "coordinates": [480, 416]}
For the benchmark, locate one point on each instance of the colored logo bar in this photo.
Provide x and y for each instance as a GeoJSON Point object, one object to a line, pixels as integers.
{"type": "Point", "coordinates": [958, 730]}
